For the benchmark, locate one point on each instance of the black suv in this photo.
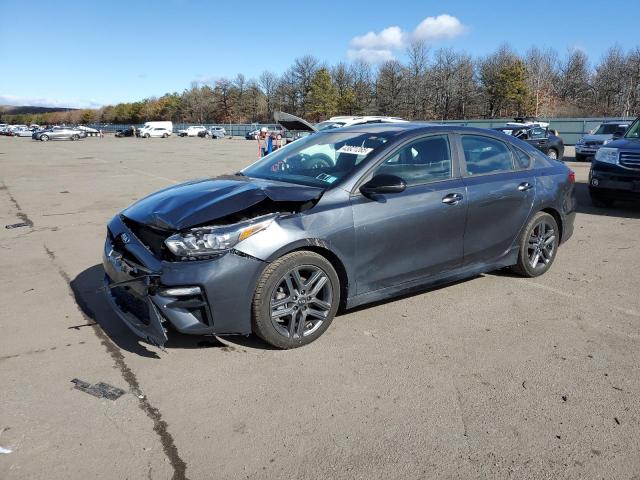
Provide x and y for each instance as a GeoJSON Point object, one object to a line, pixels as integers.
{"type": "Point", "coordinates": [539, 137]}
{"type": "Point", "coordinates": [615, 170]}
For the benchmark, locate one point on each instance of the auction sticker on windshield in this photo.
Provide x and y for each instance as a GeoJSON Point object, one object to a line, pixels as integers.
{"type": "Point", "coordinates": [355, 149]}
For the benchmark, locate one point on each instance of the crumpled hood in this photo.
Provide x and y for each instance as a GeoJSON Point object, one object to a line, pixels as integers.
{"type": "Point", "coordinates": [200, 201]}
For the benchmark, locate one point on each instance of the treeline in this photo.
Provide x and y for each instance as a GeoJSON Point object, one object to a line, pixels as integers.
{"type": "Point", "coordinates": [430, 84]}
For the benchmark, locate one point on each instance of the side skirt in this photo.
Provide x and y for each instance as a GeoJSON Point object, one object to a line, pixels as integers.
{"type": "Point", "coordinates": [424, 283]}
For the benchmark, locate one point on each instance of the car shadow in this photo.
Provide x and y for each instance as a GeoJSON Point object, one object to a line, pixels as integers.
{"type": "Point", "coordinates": [621, 209]}
{"type": "Point", "coordinates": [88, 295]}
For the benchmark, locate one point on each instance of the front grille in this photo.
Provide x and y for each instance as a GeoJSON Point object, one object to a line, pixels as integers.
{"type": "Point", "coordinates": [152, 238]}
{"type": "Point", "coordinates": [593, 143]}
{"type": "Point", "coordinates": [630, 159]}
{"type": "Point", "coordinates": [129, 302]}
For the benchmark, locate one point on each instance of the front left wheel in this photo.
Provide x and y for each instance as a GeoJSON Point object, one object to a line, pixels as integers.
{"type": "Point", "coordinates": [296, 299]}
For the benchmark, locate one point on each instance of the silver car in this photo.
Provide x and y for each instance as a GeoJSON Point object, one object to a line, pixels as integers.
{"type": "Point", "coordinates": [59, 133]}
{"type": "Point", "coordinates": [588, 145]}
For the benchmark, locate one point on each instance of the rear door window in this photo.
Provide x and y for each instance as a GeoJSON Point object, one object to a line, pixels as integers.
{"type": "Point", "coordinates": [522, 159]}
{"type": "Point", "coordinates": [486, 155]}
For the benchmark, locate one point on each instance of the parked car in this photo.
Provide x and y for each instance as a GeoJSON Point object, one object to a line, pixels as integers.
{"type": "Point", "coordinates": [58, 133]}
{"type": "Point", "coordinates": [213, 132]}
{"type": "Point", "coordinates": [347, 121]}
{"type": "Point", "coordinates": [588, 145]}
{"type": "Point", "coordinates": [10, 130]}
{"type": "Point", "coordinates": [277, 248]}
{"type": "Point", "coordinates": [154, 129]}
{"type": "Point", "coordinates": [252, 135]}
{"type": "Point", "coordinates": [527, 122]}
{"type": "Point", "coordinates": [539, 137]}
{"type": "Point", "coordinates": [615, 170]}
{"type": "Point", "coordinates": [154, 132]}
{"type": "Point", "coordinates": [127, 132]}
{"type": "Point", "coordinates": [191, 131]}
{"type": "Point", "coordinates": [23, 132]}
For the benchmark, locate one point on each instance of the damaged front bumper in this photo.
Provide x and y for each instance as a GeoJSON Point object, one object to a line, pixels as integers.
{"type": "Point", "coordinates": [196, 297]}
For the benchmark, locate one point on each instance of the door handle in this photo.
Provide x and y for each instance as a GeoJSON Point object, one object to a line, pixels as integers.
{"type": "Point", "coordinates": [524, 186]}
{"type": "Point", "coordinates": [452, 199]}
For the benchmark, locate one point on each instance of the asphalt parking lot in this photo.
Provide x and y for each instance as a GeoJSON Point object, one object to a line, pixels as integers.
{"type": "Point", "coordinates": [493, 377]}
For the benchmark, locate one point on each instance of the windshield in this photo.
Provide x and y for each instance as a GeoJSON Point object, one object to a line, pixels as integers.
{"type": "Point", "coordinates": [609, 129]}
{"type": "Point", "coordinates": [329, 124]}
{"type": "Point", "coordinates": [318, 160]}
{"type": "Point", "coordinates": [634, 130]}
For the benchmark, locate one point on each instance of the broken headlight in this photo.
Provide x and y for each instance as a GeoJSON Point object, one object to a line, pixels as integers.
{"type": "Point", "coordinates": [205, 241]}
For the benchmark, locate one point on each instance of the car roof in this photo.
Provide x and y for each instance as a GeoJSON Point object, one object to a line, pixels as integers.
{"type": "Point", "coordinates": [414, 128]}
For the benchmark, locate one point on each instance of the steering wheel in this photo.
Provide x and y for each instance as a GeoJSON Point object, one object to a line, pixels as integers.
{"type": "Point", "coordinates": [316, 161]}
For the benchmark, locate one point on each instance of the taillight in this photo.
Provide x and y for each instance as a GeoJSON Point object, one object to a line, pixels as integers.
{"type": "Point", "coordinates": [572, 176]}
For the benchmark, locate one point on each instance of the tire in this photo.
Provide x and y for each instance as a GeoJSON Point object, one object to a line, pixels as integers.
{"type": "Point", "coordinates": [75, 137]}
{"type": "Point", "coordinates": [44, 138]}
{"type": "Point", "coordinates": [206, 135]}
{"type": "Point", "coordinates": [599, 201]}
{"type": "Point", "coordinates": [552, 154]}
{"type": "Point", "coordinates": [146, 135]}
{"type": "Point", "coordinates": [278, 282]}
{"type": "Point", "coordinates": [538, 248]}
{"type": "Point", "coordinates": [164, 135]}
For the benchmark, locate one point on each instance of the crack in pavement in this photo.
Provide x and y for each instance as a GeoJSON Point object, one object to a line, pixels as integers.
{"type": "Point", "coordinates": [160, 426]}
{"type": "Point", "coordinates": [19, 213]}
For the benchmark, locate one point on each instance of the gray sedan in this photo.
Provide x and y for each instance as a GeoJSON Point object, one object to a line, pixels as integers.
{"type": "Point", "coordinates": [59, 133]}
{"type": "Point", "coordinates": [338, 219]}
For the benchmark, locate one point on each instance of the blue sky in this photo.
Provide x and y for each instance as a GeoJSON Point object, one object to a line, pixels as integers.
{"type": "Point", "coordinates": [88, 54]}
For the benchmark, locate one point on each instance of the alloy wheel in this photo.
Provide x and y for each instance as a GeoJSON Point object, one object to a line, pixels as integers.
{"type": "Point", "coordinates": [542, 244]}
{"type": "Point", "coordinates": [301, 301]}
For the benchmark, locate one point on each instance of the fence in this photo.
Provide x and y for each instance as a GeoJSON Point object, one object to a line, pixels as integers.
{"type": "Point", "coordinates": [570, 129]}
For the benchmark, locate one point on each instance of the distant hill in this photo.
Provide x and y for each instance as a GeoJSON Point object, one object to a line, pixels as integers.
{"type": "Point", "coordinates": [22, 109]}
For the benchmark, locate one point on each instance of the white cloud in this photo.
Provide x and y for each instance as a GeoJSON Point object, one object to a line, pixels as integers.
{"type": "Point", "coordinates": [437, 28]}
{"type": "Point", "coordinates": [370, 55]}
{"type": "Point", "coordinates": [378, 47]}
{"type": "Point", "coordinates": [46, 102]}
{"type": "Point", "coordinates": [390, 37]}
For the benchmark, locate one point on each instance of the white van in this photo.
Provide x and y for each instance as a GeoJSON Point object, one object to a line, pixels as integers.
{"type": "Point", "coordinates": [156, 129]}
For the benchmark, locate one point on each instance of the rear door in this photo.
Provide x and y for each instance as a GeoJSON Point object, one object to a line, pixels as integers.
{"type": "Point", "coordinates": [500, 195]}
{"type": "Point", "coordinates": [539, 138]}
{"type": "Point", "coordinates": [401, 237]}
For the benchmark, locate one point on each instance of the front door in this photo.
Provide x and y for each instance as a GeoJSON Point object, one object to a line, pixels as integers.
{"type": "Point", "coordinates": [404, 236]}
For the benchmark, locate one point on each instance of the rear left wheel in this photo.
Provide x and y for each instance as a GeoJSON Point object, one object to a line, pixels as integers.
{"type": "Point", "coordinates": [295, 300]}
{"type": "Point", "coordinates": [538, 246]}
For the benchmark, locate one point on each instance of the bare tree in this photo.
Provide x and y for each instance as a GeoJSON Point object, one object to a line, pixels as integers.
{"type": "Point", "coordinates": [303, 70]}
{"type": "Point", "coordinates": [389, 85]}
{"type": "Point", "coordinates": [416, 91]}
{"type": "Point", "coordinates": [542, 67]}
{"type": "Point", "coordinates": [574, 82]}
{"type": "Point", "coordinates": [363, 86]}
{"type": "Point", "coordinates": [268, 83]}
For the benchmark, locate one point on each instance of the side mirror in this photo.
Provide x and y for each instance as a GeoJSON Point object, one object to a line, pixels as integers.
{"type": "Point", "coordinates": [384, 183]}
